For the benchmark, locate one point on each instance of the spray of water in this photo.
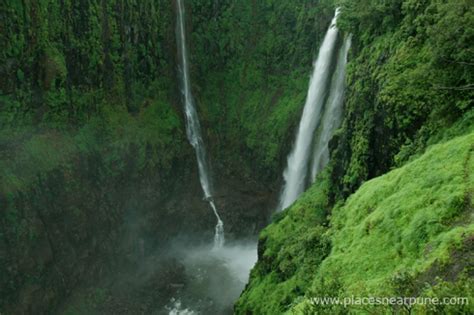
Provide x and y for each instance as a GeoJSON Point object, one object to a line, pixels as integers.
{"type": "Point", "coordinates": [214, 278]}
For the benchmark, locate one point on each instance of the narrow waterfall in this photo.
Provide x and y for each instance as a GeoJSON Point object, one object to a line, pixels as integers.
{"type": "Point", "coordinates": [295, 175]}
{"type": "Point", "coordinates": [332, 112]}
{"type": "Point", "coordinates": [193, 127]}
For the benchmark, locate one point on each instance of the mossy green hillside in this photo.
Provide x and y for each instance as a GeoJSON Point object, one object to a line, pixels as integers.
{"type": "Point", "coordinates": [155, 136]}
{"type": "Point", "coordinates": [290, 251]}
{"type": "Point", "coordinates": [61, 62]}
{"type": "Point", "coordinates": [406, 233]}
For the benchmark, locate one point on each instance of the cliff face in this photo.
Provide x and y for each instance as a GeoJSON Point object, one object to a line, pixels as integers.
{"type": "Point", "coordinates": [408, 82]}
{"type": "Point", "coordinates": [90, 147]}
{"type": "Point", "coordinates": [77, 204]}
{"type": "Point", "coordinates": [95, 168]}
{"type": "Point", "coordinates": [252, 90]}
{"type": "Point", "coordinates": [409, 87]}
{"type": "Point", "coordinates": [95, 165]}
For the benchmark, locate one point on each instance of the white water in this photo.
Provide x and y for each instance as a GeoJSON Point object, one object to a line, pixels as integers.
{"type": "Point", "coordinates": [193, 128]}
{"type": "Point", "coordinates": [332, 113]}
{"type": "Point", "coordinates": [214, 278]}
{"type": "Point", "coordinates": [177, 309]}
{"type": "Point", "coordinates": [295, 175]}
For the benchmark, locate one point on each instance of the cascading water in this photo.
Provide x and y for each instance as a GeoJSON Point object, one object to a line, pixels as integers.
{"type": "Point", "coordinates": [193, 128]}
{"type": "Point", "coordinates": [332, 113]}
{"type": "Point", "coordinates": [295, 174]}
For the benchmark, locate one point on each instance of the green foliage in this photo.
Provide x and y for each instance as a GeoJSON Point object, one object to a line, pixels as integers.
{"type": "Point", "coordinates": [393, 237]}
{"type": "Point", "coordinates": [75, 177]}
{"type": "Point", "coordinates": [251, 91]}
{"type": "Point", "coordinates": [89, 302]}
{"type": "Point", "coordinates": [404, 218]}
{"type": "Point", "coordinates": [290, 250]}
{"type": "Point", "coordinates": [59, 61]}
{"type": "Point", "coordinates": [88, 89]}
{"type": "Point", "coordinates": [67, 63]}
{"type": "Point", "coordinates": [409, 80]}
{"type": "Point", "coordinates": [155, 136]}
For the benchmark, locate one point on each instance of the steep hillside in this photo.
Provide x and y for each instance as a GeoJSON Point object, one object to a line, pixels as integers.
{"type": "Point", "coordinates": [409, 87]}
{"type": "Point", "coordinates": [409, 80]}
{"type": "Point", "coordinates": [406, 233]}
{"type": "Point", "coordinates": [91, 143]}
{"type": "Point", "coordinates": [96, 172]}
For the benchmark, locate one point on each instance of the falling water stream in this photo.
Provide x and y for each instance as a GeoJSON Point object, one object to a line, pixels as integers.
{"type": "Point", "coordinates": [210, 271]}
{"type": "Point", "coordinates": [215, 275]}
{"type": "Point", "coordinates": [332, 113]}
{"type": "Point", "coordinates": [295, 175]}
{"type": "Point", "coordinates": [193, 128]}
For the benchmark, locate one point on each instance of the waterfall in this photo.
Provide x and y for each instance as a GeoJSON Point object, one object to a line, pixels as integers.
{"type": "Point", "coordinates": [332, 113]}
{"type": "Point", "coordinates": [193, 128]}
{"type": "Point", "coordinates": [295, 175]}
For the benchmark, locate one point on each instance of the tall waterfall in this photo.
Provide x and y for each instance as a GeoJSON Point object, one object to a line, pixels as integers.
{"type": "Point", "coordinates": [332, 113]}
{"type": "Point", "coordinates": [193, 128]}
{"type": "Point", "coordinates": [295, 174]}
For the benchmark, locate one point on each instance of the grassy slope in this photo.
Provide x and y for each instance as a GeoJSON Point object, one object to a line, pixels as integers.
{"type": "Point", "coordinates": [290, 249]}
{"type": "Point", "coordinates": [392, 237]}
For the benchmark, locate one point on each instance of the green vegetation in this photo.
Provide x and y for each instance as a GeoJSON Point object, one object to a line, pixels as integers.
{"type": "Point", "coordinates": [409, 232]}
{"type": "Point", "coordinates": [406, 233]}
{"type": "Point", "coordinates": [408, 81]}
{"type": "Point", "coordinates": [414, 222]}
{"type": "Point", "coordinates": [93, 150]}
{"type": "Point", "coordinates": [250, 63]}
{"type": "Point", "coordinates": [53, 179]}
{"type": "Point", "coordinates": [61, 62]}
{"type": "Point", "coordinates": [252, 90]}
{"type": "Point", "coordinates": [283, 273]}
{"type": "Point", "coordinates": [91, 132]}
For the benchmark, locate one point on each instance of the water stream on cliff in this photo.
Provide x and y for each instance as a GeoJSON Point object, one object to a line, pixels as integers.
{"type": "Point", "coordinates": [295, 175]}
{"type": "Point", "coordinates": [214, 276]}
{"type": "Point", "coordinates": [332, 113]}
{"type": "Point", "coordinates": [193, 127]}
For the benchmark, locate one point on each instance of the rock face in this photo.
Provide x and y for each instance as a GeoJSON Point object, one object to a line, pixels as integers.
{"type": "Point", "coordinates": [95, 169]}
{"type": "Point", "coordinates": [73, 223]}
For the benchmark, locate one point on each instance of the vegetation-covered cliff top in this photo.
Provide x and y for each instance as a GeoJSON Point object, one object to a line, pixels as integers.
{"type": "Point", "coordinates": [406, 233]}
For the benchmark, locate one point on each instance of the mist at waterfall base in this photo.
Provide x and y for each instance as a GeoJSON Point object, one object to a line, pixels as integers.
{"type": "Point", "coordinates": [179, 278]}
{"type": "Point", "coordinates": [214, 278]}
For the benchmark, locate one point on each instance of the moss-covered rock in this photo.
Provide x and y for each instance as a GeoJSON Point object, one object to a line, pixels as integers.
{"type": "Point", "coordinates": [406, 233]}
